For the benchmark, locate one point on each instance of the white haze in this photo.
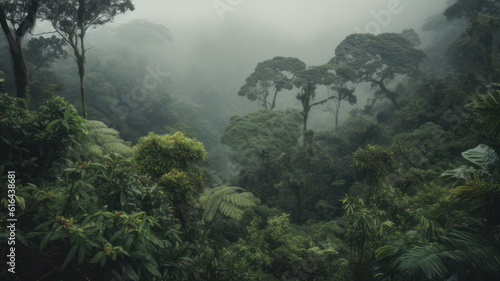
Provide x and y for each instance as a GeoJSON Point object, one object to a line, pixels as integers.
{"type": "Point", "coordinates": [222, 53]}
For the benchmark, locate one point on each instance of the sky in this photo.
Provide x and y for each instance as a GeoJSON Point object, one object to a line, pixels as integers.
{"type": "Point", "coordinates": [223, 40]}
{"type": "Point", "coordinates": [281, 22]}
{"type": "Point", "coordinates": [308, 29]}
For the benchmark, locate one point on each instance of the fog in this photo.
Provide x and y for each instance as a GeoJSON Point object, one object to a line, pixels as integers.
{"type": "Point", "coordinates": [221, 42]}
{"type": "Point", "coordinates": [250, 140]}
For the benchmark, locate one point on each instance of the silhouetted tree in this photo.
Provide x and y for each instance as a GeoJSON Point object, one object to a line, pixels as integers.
{"type": "Point", "coordinates": [43, 51]}
{"type": "Point", "coordinates": [277, 73]}
{"type": "Point", "coordinates": [72, 18]}
{"type": "Point", "coordinates": [378, 59]}
{"type": "Point", "coordinates": [21, 15]}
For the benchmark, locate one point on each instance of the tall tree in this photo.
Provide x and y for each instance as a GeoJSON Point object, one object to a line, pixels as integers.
{"type": "Point", "coordinates": [477, 51]}
{"type": "Point", "coordinates": [307, 82]}
{"type": "Point", "coordinates": [275, 74]}
{"type": "Point", "coordinates": [469, 9]}
{"type": "Point", "coordinates": [342, 91]}
{"type": "Point", "coordinates": [72, 18]}
{"type": "Point", "coordinates": [258, 139]}
{"type": "Point", "coordinates": [286, 73]}
{"type": "Point", "coordinates": [21, 15]}
{"type": "Point", "coordinates": [378, 59]}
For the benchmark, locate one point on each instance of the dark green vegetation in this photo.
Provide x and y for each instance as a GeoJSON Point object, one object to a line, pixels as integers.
{"type": "Point", "coordinates": [406, 188]}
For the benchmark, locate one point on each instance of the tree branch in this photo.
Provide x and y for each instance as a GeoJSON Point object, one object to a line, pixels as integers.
{"type": "Point", "coordinates": [323, 101]}
{"type": "Point", "coordinates": [29, 21]}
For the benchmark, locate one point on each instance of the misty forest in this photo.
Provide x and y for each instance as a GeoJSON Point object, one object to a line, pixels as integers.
{"type": "Point", "coordinates": [250, 140]}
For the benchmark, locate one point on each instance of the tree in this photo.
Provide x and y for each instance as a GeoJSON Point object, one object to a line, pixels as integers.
{"type": "Point", "coordinates": [378, 59]}
{"type": "Point", "coordinates": [307, 82]}
{"type": "Point", "coordinates": [469, 9]}
{"type": "Point", "coordinates": [477, 51]}
{"type": "Point", "coordinates": [43, 51]}
{"type": "Point", "coordinates": [21, 15]}
{"type": "Point", "coordinates": [140, 33]}
{"type": "Point", "coordinates": [72, 18]}
{"type": "Point", "coordinates": [412, 36]}
{"type": "Point", "coordinates": [277, 73]}
{"type": "Point", "coordinates": [171, 160]}
{"type": "Point", "coordinates": [259, 139]}
{"type": "Point", "coordinates": [342, 91]}
{"type": "Point", "coordinates": [366, 227]}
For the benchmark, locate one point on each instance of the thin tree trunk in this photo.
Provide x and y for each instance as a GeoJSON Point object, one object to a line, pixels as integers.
{"type": "Point", "coordinates": [81, 72]}
{"type": "Point", "coordinates": [337, 115]}
{"type": "Point", "coordinates": [81, 57]}
{"type": "Point", "coordinates": [274, 99]}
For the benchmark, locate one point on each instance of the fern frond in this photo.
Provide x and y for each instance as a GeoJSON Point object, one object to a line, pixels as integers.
{"type": "Point", "coordinates": [103, 140]}
{"type": "Point", "coordinates": [228, 200]}
{"type": "Point", "coordinates": [94, 124]}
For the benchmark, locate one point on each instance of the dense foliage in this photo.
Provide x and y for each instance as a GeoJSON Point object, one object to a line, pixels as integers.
{"type": "Point", "coordinates": [157, 187]}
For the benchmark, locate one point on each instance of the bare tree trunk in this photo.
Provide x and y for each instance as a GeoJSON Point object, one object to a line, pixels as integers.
{"type": "Point", "coordinates": [274, 99]}
{"type": "Point", "coordinates": [81, 57]}
{"type": "Point", "coordinates": [18, 62]}
{"type": "Point", "coordinates": [81, 72]}
{"type": "Point", "coordinates": [337, 115]}
{"type": "Point", "coordinates": [20, 71]}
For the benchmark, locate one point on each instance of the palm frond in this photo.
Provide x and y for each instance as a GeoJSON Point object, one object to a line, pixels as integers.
{"type": "Point", "coordinates": [431, 259]}
{"type": "Point", "coordinates": [478, 192]}
{"type": "Point", "coordinates": [488, 107]}
{"type": "Point", "coordinates": [424, 261]}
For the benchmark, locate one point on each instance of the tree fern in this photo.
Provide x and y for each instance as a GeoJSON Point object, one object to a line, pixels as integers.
{"type": "Point", "coordinates": [103, 140]}
{"type": "Point", "coordinates": [228, 200]}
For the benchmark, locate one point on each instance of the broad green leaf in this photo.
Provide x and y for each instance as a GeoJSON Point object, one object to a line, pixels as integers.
{"type": "Point", "coordinates": [97, 257]}
{"type": "Point", "coordinates": [482, 155]}
{"type": "Point", "coordinates": [21, 202]}
{"type": "Point", "coordinates": [123, 199]}
{"type": "Point", "coordinates": [51, 124]}
{"type": "Point", "coordinates": [67, 113]}
{"type": "Point", "coordinates": [127, 269]}
{"type": "Point", "coordinates": [45, 240]}
{"type": "Point", "coordinates": [70, 256]}
{"type": "Point", "coordinates": [82, 252]}
{"type": "Point", "coordinates": [152, 269]}
{"type": "Point", "coordinates": [65, 124]}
